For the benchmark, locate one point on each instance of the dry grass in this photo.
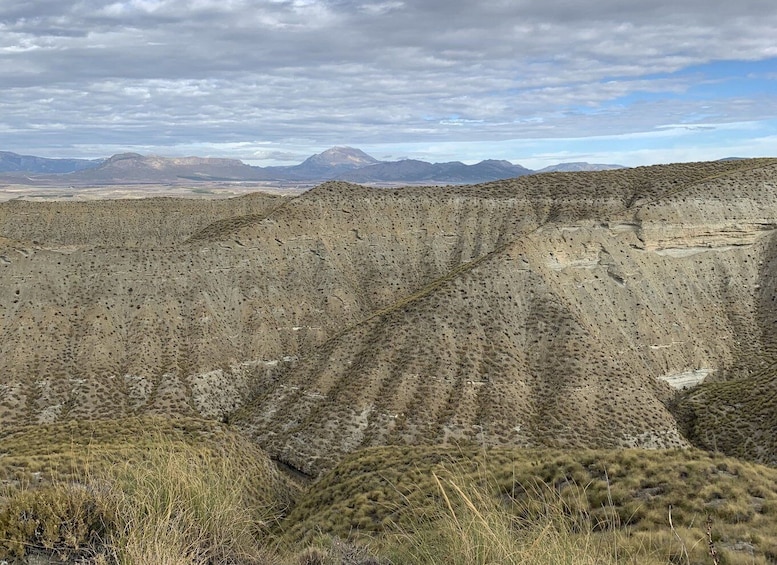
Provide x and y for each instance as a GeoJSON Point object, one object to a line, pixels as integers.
{"type": "Point", "coordinates": [616, 497]}
{"type": "Point", "coordinates": [187, 499]}
{"type": "Point", "coordinates": [475, 528]}
{"type": "Point", "coordinates": [180, 507]}
{"type": "Point", "coordinates": [64, 519]}
{"type": "Point", "coordinates": [177, 492]}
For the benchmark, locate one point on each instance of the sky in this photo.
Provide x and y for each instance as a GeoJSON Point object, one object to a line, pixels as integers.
{"type": "Point", "coordinates": [272, 82]}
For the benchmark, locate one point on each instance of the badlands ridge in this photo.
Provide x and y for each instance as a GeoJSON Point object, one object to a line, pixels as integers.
{"type": "Point", "coordinates": [624, 308]}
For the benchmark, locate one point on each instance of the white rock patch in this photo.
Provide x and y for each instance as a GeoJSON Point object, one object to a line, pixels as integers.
{"type": "Point", "coordinates": [686, 379]}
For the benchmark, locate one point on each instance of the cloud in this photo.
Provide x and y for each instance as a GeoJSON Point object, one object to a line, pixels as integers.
{"type": "Point", "coordinates": [278, 156]}
{"type": "Point", "coordinates": [314, 73]}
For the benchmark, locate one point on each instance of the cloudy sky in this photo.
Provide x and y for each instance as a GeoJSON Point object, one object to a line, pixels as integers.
{"type": "Point", "coordinates": [274, 81]}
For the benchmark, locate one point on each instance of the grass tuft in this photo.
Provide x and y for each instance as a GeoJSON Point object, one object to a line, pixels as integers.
{"type": "Point", "coordinates": [208, 496]}
{"type": "Point", "coordinates": [180, 506]}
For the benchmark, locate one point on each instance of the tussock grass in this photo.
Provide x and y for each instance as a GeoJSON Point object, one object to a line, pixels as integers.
{"type": "Point", "coordinates": [611, 501]}
{"type": "Point", "coordinates": [475, 528]}
{"type": "Point", "coordinates": [196, 494]}
{"type": "Point", "coordinates": [64, 519]}
{"type": "Point", "coordinates": [177, 506]}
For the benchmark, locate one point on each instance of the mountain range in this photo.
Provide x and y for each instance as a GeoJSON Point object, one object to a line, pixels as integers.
{"type": "Point", "coordinates": [337, 163]}
{"type": "Point", "coordinates": [13, 162]}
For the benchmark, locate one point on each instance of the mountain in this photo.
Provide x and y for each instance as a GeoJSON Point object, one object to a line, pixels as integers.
{"type": "Point", "coordinates": [324, 166]}
{"type": "Point", "coordinates": [344, 158]}
{"type": "Point", "coordinates": [410, 170]}
{"type": "Point", "coordinates": [406, 170]}
{"type": "Point", "coordinates": [338, 163]}
{"type": "Point", "coordinates": [133, 168]}
{"type": "Point", "coordinates": [12, 162]}
{"type": "Point", "coordinates": [578, 167]}
{"type": "Point", "coordinates": [499, 167]}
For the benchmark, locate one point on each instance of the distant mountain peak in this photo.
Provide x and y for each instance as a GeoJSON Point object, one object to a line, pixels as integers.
{"type": "Point", "coordinates": [500, 162]}
{"type": "Point", "coordinates": [123, 157]}
{"type": "Point", "coordinates": [578, 166]}
{"type": "Point", "coordinates": [344, 157]}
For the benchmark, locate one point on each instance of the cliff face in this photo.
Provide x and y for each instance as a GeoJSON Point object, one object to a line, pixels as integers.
{"type": "Point", "coordinates": [558, 309]}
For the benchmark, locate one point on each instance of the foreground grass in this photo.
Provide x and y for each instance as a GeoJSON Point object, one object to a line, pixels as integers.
{"type": "Point", "coordinates": [192, 492]}
{"type": "Point", "coordinates": [476, 528]}
{"type": "Point", "coordinates": [608, 498]}
{"type": "Point", "coordinates": [196, 494]}
{"type": "Point", "coordinates": [185, 508]}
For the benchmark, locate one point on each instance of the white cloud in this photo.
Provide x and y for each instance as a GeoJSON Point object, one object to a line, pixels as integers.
{"type": "Point", "coordinates": [316, 73]}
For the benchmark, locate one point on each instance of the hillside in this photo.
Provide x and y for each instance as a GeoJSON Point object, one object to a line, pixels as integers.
{"type": "Point", "coordinates": [549, 310]}
{"type": "Point", "coordinates": [150, 223]}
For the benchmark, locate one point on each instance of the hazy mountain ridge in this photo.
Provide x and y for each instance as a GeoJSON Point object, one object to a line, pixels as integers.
{"type": "Point", "coordinates": [337, 163]}
{"type": "Point", "coordinates": [410, 170]}
{"type": "Point", "coordinates": [13, 162]}
{"type": "Point", "coordinates": [133, 167]}
{"type": "Point", "coordinates": [577, 167]}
